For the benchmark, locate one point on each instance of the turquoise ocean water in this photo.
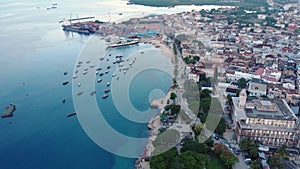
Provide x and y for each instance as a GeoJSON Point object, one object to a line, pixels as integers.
{"type": "Point", "coordinates": [34, 53]}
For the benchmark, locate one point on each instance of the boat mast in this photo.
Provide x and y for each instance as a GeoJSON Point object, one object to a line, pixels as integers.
{"type": "Point", "coordinates": [70, 18]}
{"type": "Point", "coordinates": [109, 17]}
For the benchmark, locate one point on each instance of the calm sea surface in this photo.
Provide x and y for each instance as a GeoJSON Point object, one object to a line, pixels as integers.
{"type": "Point", "coordinates": [34, 53]}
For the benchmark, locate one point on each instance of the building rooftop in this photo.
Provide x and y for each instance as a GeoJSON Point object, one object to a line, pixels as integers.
{"type": "Point", "coordinates": [266, 109]}
{"type": "Point", "coordinates": [256, 80]}
{"type": "Point", "coordinates": [265, 127]}
{"type": "Point", "coordinates": [269, 109]}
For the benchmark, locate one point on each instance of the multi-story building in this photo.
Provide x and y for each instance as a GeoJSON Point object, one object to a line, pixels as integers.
{"type": "Point", "coordinates": [271, 122]}
{"type": "Point", "coordinates": [257, 87]}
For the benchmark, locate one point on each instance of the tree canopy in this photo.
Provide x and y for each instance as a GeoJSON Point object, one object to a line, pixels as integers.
{"type": "Point", "coordinates": [226, 155]}
{"type": "Point", "coordinates": [242, 83]}
{"type": "Point", "coordinates": [174, 108]}
{"type": "Point", "coordinates": [250, 147]}
{"type": "Point", "coordinates": [221, 127]}
{"type": "Point", "coordinates": [173, 96]}
{"type": "Point", "coordinates": [172, 160]}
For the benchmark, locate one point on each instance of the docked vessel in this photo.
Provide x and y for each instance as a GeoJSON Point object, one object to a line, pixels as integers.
{"type": "Point", "coordinates": [99, 80]}
{"type": "Point", "coordinates": [122, 44]}
{"type": "Point", "coordinates": [107, 84]}
{"type": "Point", "coordinates": [104, 96]}
{"type": "Point", "coordinates": [8, 111]}
{"type": "Point", "coordinates": [80, 27]}
{"type": "Point", "coordinates": [107, 90]}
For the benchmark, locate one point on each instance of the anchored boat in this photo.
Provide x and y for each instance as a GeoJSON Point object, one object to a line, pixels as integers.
{"type": "Point", "coordinates": [8, 111]}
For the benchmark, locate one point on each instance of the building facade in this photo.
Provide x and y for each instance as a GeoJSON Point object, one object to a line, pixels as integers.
{"type": "Point", "coordinates": [257, 87]}
{"type": "Point", "coordinates": [270, 122]}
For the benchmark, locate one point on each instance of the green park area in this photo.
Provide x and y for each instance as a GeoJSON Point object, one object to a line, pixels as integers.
{"type": "Point", "coordinates": [169, 3]}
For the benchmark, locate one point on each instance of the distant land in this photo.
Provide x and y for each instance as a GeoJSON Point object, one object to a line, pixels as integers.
{"type": "Point", "coordinates": [249, 4]}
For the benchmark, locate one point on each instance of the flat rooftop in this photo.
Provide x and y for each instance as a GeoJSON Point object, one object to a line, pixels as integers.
{"type": "Point", "coordinates": [269, 109]}
{"type": "Point", "coordinates": [265, 127]}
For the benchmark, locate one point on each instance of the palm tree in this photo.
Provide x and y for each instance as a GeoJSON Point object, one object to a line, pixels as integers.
{"type": "Point", "coordinates": [253, 150]}
{"type": "Point", "coordinates": [244, 144]}
{"type": "Point", "coordinates": [255, 165]}
{"type": "Point", "coordinates": [282, 151]}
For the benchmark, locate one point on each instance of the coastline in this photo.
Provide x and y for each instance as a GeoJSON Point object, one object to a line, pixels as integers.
{"type": "Point", "coordinates": [154, 123]}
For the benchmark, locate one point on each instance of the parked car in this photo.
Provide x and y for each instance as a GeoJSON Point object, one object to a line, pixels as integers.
{"type": "Point", "coordinates": [248, 161]}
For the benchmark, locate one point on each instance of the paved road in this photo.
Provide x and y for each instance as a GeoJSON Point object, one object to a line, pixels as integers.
{"type": "Point", "coordinates": [241, 164]}
{"type": "Point", "coordinates": [181, 78]}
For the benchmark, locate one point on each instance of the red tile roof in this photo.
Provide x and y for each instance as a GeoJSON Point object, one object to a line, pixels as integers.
{"type": "Point", "coordinates": [270, 79]}
{"type": "Point", "coordinates": [272, 86]}
{"type": "Point", "coordinates": [259, 71]}
{"type": "Point", "coordinates": [292, 27]}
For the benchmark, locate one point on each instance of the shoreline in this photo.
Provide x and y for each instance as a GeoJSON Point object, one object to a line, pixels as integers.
{"type": "Point", "coordinates": [154, 123]}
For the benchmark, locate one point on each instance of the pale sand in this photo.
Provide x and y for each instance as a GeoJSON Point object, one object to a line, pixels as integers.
{"type": "Point", "coordinates": [165, 50]}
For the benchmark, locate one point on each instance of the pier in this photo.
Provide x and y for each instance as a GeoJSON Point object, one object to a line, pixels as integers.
{"type": "Point", "coordinates": [78, 19]}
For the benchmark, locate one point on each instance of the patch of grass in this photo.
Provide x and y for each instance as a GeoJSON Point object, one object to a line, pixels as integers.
{"type": "Point", "coordinates": [215, 162]}
{"type": "Point", "coordinates": [165, 141]}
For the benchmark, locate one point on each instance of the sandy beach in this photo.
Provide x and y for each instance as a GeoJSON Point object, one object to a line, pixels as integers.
{"type": "Point", "coordinates": [165, 50]}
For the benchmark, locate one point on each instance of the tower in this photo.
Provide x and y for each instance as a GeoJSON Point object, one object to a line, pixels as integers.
{"type": "Point", "coordinates": [242, 99]}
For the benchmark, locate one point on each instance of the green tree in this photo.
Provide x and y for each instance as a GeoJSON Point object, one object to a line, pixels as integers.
{"type": "Point", "coordinates": [281, 151]}
{"type": "Point", "coordinates": [205, 104]}
{"type": "Point", "coordinates": [205, 93]}
{"type": "Point", "coordinates": [174, 108]}
{"type": "Point", "coordinates": [165, 160]}
{"type": "Point", "coordinates": [250, 147]}
{"type": "Point", "coordinates": [173, 96]}
{"type": "Point", "coordinates": [209, 142]}
{"type": "Point", "coordinates": [225, 155]}
{"type": "Point", "coordinates": [255, 165]}
{"type": "Point", "coordinates": [174, 84]}
{"type": "Point", "coordinates": [203, 117]}
{"type": "Point", "coordinates": [242, 83]}
{"type": "Point", "coordinates": [174, 49]}
{"type": "Point", "coordinates": [270, 21]}
{"type": "Point", "coordinates": [275, 162]}
{"type": "Point", "coordinates": [229, 99]}
{"type": "Point", "coordinates": [197, 129]}
{"type": "Point", "coordinates": [244, 144]}
{"type": "Point", "coordinates": [191, 159]}
{"type": "Point", "coordinates": [253, 150]}
{"type": "Point", "coordinates": [191, 145]}
{"type": "Point", "coordinates": [221, 127]}
{"type": "Point", "coordinates": [229, 159]}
